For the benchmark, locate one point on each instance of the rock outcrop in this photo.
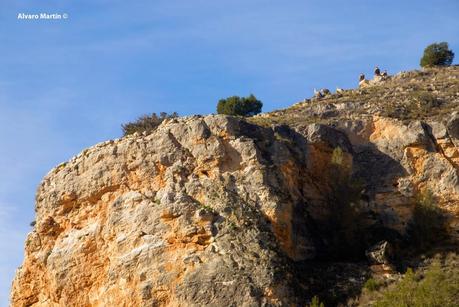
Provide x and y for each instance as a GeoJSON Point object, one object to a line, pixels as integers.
{"type": "Point", "coordinates": [203, 211]}
{"type": "Point", "coordinates": [216, 211]}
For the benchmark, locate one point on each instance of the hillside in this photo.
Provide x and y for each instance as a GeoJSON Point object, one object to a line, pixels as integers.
{"type": "Point", "coordinates": [429, 94]}
{"type": "Point", "coordinates": [266, 211]}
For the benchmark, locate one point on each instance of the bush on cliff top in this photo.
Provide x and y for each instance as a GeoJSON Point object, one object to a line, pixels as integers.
{"type": "Point", "coordinates": [437, 54]}
{"type": "Point", "coordinates": [146, 123]}
{"type": "Point", "coordinates": [242, 106]}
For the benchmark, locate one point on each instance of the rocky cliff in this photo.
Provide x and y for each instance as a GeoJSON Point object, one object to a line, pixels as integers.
{"type": "Point", "coordinates": [220, 211]}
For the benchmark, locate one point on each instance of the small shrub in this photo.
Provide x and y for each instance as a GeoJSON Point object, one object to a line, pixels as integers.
{"type": "Point", "coordinates": [146, 123]}
{"type": "Point", "coordinates": [427, 224]}
{"type": "Point", "coordinates": [337, 157]}
{"type": "Point", "coordinates": [437, 54]}
{"type": "Point", "coordinates": [418, 105]}
{"type": "Point", "coordinates": [396, 111]}
{"type": "Point", "coordinates": [240, 106]}
{"type": "Point", "coordinates": [372, 285]}
{"type": "Point", "coordinates": [425, 101]}
{"type": "Point", "coordinates": [315, 302]}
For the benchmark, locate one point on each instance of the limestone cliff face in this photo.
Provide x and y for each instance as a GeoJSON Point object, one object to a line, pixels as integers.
{"type": "Point", "coordinates": [202, 211]}
{"type": "Point", "coordinates": [216, 211]}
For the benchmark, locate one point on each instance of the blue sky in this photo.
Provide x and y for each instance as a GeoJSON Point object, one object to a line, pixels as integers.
{"type": "Point", "coordinates": [66, 85]}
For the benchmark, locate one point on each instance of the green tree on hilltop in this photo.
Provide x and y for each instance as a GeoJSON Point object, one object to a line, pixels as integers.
{"type": "Point", "coordinates": [242, 106]}
{"type": "Point", "coordinates": [437, 54]}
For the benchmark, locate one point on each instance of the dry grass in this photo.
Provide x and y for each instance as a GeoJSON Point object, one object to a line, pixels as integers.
{"type": "Point", "coordinates": [426, 94]}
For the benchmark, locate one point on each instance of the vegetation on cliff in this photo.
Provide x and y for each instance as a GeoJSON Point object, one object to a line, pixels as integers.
{"type": "Point", "coordinates": [146, 123]}
{"type": "Point", "coordinates": [436, 283]}
{"type": "Point", "coordinates": [427, 225]}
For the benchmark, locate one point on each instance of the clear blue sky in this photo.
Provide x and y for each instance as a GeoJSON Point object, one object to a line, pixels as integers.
{"type": "Point", "coordinates": [66, 85]}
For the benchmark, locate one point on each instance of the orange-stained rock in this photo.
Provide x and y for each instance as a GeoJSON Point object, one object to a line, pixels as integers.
{"type": "Point", "coordinates": [216, 211]}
